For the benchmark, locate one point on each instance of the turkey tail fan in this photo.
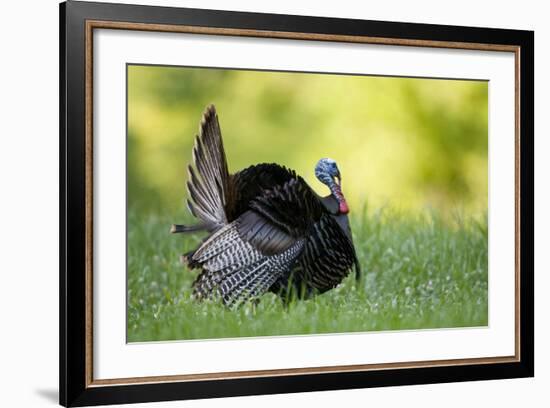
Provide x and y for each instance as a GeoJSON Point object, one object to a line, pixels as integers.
{"type": "Point", "coordinates": [208, 184]}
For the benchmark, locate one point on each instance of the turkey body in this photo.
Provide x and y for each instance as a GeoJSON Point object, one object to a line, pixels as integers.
{"type": "Point", "coordinates": [268, 230]}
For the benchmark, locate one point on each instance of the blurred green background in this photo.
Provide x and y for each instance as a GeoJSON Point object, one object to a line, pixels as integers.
{"type": "Point", "coordinates": [413, 158]}
{"type": "Point", "coordinates": [408, 143]}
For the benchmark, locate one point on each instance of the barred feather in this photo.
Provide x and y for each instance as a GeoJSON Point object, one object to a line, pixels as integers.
{"type": "Point", "coordinates": [234, 270]}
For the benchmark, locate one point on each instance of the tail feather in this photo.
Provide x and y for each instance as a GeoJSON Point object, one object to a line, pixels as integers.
{"type": "Point", "coordinates": [179, 228]}
{"type": "Point", "coordinates": [208, 184]}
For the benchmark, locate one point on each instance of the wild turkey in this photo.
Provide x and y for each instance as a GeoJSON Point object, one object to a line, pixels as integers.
{"type": "Point", "coordinates": [268, 230]}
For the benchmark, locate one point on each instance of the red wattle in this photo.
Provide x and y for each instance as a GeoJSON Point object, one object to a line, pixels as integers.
{"type": "Point", "coordinates": [343, 207]}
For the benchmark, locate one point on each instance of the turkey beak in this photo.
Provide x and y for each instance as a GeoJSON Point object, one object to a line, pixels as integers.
{"type": "Point", "coordinates": [339, 179]}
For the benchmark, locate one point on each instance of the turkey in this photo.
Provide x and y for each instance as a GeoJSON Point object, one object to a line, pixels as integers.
{"type": "Point", "coordinates": [267, 229]}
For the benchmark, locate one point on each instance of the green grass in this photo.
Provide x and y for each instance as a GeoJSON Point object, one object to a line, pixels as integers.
{"type": "Point", "coordinates": [419, 272]}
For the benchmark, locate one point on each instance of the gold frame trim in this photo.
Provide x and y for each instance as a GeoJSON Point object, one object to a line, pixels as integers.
{"type": "Point", "coordinates": [97, 24]}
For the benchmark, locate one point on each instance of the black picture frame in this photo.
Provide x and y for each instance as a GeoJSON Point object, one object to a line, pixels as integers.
{"type": "Point", "coordinates": [75, 389]}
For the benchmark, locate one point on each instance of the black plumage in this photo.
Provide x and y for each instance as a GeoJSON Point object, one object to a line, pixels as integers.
{"type": "Point", "coordinates": [269, 231]}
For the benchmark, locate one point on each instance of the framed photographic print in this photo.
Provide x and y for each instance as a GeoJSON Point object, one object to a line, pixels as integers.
{"type": "Point", "coordinates": [256, 203]}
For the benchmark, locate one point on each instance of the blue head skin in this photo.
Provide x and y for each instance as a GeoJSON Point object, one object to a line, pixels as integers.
{"type": "Point", "coordinates": [327, 172]}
